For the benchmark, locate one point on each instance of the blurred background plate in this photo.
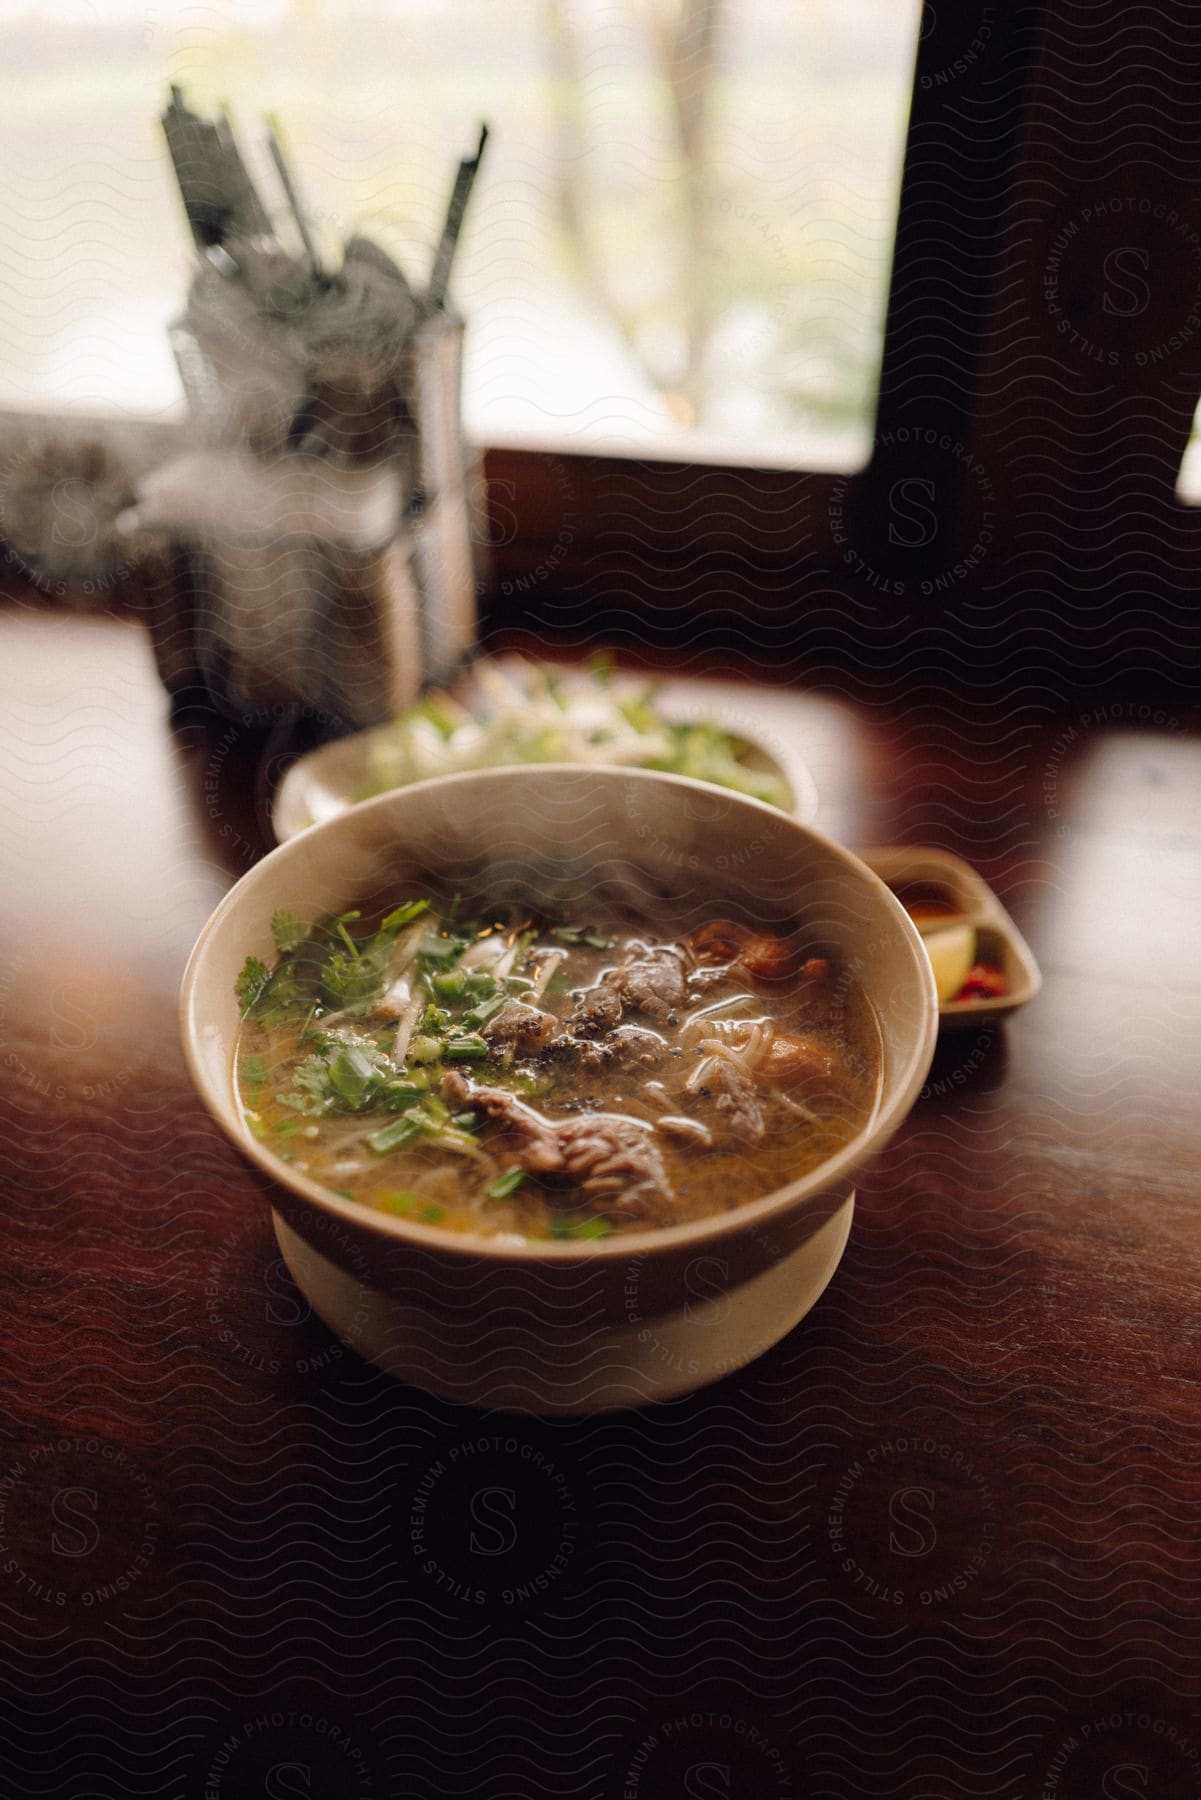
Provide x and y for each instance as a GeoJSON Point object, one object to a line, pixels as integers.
{"type": "Point", "coordinates": [324, 782]}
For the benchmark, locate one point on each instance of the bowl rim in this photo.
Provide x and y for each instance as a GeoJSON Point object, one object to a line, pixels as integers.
{"type": "Point", "coordinates": [621, 1245]}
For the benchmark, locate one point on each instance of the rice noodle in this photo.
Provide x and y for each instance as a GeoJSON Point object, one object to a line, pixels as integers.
{"type": "Point", "coordinates": [504, 964]}
{"type": "Point", "coordinates": [397, 997]}
{"type": "Point", "coordinates": [657, 1095]}
{"type": "Point", "coordinates": [719, 1052]}
{"type": "Point", "coordinates": [705, 1018]}
{"type": "Point", "coordinates": [463, 1145]}
{"type": "Point", "coordinates": [699, 1075]}
{"type": "Point", "coordinates": [802, 1111]}
{"type": "Point", "coordinates": [404, 952]}
{"type": "Point", "coordinates": [676, 1125]}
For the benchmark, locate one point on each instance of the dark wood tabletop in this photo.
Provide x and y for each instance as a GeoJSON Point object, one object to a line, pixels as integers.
{"type": "Point", "coordinates": [942, 1540]}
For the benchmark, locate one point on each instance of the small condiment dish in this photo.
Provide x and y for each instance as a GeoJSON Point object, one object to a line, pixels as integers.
{"type": "Point", "coordinates": [942, 889]}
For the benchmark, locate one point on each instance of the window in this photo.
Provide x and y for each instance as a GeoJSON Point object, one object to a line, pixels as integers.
{"type": "Point", "coordinates": [680, 244]}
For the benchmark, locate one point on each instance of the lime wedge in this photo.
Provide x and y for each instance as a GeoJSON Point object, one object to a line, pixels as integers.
{"type": "Point", "coordinates": [952, 951]}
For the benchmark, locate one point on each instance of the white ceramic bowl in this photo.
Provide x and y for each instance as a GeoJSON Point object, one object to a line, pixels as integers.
{"type": "Point", "coordinates": [553, 1327]}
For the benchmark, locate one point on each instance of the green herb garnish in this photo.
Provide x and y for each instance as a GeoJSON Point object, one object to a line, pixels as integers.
{"type": "Point", "coordinates": [487, 1009]}
{"type": "Point", "coordinates": [506, 1184]}
{"type": "Point", "coordinates": [287, 930]}
{"type": "Point", "coordinates": [577, 1229]}
{"type": "Point", "coordinates": [251, 982]}
{"type": "Point", "coordinates": [581, 934]}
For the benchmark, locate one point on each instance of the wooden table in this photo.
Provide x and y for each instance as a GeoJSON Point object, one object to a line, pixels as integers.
{"type": "Point", "coordinates": [941, 1541]}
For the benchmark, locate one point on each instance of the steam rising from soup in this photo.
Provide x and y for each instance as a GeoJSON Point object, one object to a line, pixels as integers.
{"type": "Point", "coordinates": [488, 1070]}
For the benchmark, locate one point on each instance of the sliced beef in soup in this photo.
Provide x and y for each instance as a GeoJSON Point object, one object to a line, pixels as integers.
{"type": "Point", "coordinates": [652, 982]}
{"type": "Point", "coordinates": [596, 1010]}
{"type": "Point", "coordinates": [511, 1075]}
{"type": "Point", "coordinates": [603, 1158]}
{"type": "Point", "coordinates": [521, 1028]}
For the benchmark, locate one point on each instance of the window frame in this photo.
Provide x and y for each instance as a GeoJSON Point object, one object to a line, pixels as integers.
{"type": "Point", "coordinates": [777, 565]}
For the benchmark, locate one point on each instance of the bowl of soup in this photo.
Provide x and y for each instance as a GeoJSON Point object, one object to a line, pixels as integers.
{"type": "Point", "coordinates": [560, 1078]}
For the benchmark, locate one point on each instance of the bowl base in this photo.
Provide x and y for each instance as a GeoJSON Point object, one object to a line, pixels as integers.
{"type": "Point", "coordinates": [616, 1365]}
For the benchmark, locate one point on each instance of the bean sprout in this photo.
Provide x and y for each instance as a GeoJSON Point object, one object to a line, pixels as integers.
{"type": "Point", "coordinates": [404, 1030]}
{"type": "Point", "coordinates": [549, 964]}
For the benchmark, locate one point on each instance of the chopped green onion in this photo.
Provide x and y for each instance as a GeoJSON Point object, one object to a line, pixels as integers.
{"type": "Point", "coordinates": [480, 984]}
{"type": "Point", "coordinates": [465, 1049]}
{"type": "Point", "coordinates": [434, 1018]}
{"type": "Point", "coordinates": [505, 1184]}
{"type": "Point", "coordinates": [288, 1127]}
{"type": "Point", "coordinates": [354, 1076]}
{"type": "Point", "coordinates": [449, 987]}
{"type": "Point", "coordinates": [518, 984]}
{"type": "Point", "coordinates": [592, 1228]}
{"type": "Point", "coordinates": [580, 1228]}
{"type": "Point", "coordinates": [487, 1009]}
{"type": "Point", "coordinates": [424, 1050]}
{"type": "Point", "coordinates": [465, 1121]}
{"type": "Point", "coordinates": [432, 1215]}
{"type": "Point", "coordinates": [391, 1137]}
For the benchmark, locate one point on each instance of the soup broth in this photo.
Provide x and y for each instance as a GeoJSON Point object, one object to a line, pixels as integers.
{"type": "Point", "coordinates": [493, 1071]}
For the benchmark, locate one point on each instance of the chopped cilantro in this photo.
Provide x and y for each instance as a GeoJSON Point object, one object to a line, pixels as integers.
{"type": "Point", "coordinates": [251, 982]}
{"type": "Point", "coordinates": [339, 1077]}
{"type": "Point", "coordinates": [287, 930]}
{"type": "Point", "coordinates": [449, 987]}
{"type": "Point", "coordinates": [355, 1075]}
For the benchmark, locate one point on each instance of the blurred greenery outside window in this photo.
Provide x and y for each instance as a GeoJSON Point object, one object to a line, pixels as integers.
{"type": "Point", "coordinates": [679, 246]}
